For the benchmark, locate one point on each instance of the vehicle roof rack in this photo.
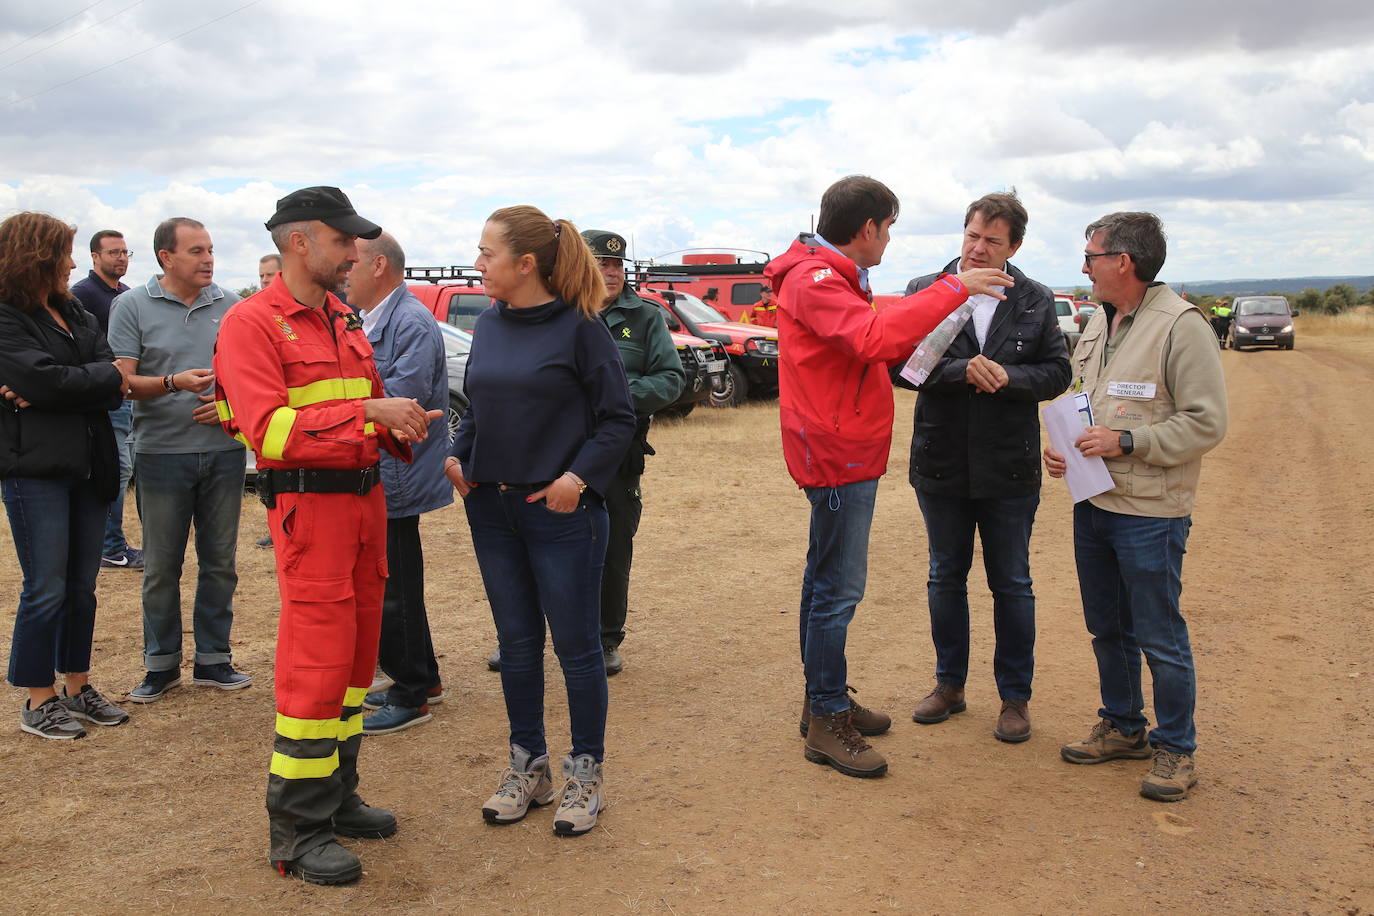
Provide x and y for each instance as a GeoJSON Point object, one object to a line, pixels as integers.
{"type": "Point", "coordinates": [452, 274]}
{"type": "Point", "coordinates": [683, 273]}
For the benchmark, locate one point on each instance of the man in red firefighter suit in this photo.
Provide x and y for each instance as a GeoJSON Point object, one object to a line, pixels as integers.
{"type": "Point", "coordinates": [295, 381]}
{"type": "Point", "coordinates": [765, 313]}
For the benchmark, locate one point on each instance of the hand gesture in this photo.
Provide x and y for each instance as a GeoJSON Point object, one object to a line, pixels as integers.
{"type": "Point", "coordinates": [407, 420]}
{"type": "Point", "coordinates": [981, 280]}
{"type": "Point", "coordinates": [196, 380]}
{"type": "Point", "coordinates": [985, 375]}
{"type": "Point", "coordinates": [206, 413]}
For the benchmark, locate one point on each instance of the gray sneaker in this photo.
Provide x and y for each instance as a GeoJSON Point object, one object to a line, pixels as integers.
{"type": "Point", "coordinates": [581, 801]}
{"type": "Point", "coordinates": [50, 720]}
{"type": "Point", "coordinates": [524, 783]}
{"type": "Point", "coordinates": [91, 705]}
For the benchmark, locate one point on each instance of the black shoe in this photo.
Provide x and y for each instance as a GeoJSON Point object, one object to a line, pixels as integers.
{"type": "Point", "coordinates": [221, 675]}
{"type": "Point", "coordinates": [363, 820]}
{"type": "Point", "coordinates": [614, 663]}
{"type": "Point", "coordinates": [155, 684]}
{"type": "Point", "coordinates": [327, 864]}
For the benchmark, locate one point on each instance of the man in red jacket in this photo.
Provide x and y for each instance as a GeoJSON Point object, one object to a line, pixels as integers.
{"type": "Point", "coordinates": [296, 382]}
{"type": "Point", "coordinates": [836, 412]}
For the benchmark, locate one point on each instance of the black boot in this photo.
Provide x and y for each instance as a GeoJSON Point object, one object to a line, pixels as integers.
{"type": "Point", "coordinates": [356, 818]}
{"type": "Point", "coordinates": [327, 864]}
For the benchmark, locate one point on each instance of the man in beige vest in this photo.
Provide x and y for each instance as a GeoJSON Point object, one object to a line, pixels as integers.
{"type": "Point", "coordinates": [1149, 363]}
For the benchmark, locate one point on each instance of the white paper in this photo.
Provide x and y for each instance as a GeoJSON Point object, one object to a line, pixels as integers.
{"type": "Point", "coordinates": [934, 345]}
{"type": "Point", "coordinates": [1065, 420]}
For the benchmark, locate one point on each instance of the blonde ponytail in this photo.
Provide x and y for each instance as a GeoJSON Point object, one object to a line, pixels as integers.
{"type": "Point", "coordinates": [564, 261]}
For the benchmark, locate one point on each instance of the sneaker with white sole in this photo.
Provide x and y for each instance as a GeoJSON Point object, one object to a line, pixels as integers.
{"type": "Point", "coordinates": [154, 685]}
{"type": "Point", "coordinates": [90, 705]}
{"type": "Point", "coordinates": [221, 675]}
{"type": "Point", "coordinates": [380, 681]}
{"type": "Point", "coordinates": [128, 558]}
{"type": "Point", "coordinates": [581, 801]}
{"type": "Point", "coordinates": [433, 697]}
{"type": "Point", "coordinates": [524, 783]}
{"type": "Point", "coordinates": [389, 719]}
{"type": "Point", "coordinates": [51, 719]}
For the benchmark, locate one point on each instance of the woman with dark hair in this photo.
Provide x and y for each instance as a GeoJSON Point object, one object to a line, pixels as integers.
{"type": "Point", "coordinates": [550, 421]}
{"type": "Point", "coordinates": [59, 471]}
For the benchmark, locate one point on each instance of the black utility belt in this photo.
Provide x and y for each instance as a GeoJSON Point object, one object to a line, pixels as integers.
{"type": "Point", "coordinates": [272, 481]}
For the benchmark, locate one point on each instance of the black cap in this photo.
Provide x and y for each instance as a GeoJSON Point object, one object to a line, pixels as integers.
{"type": "Point", "coordinates": [328, 205]}
{"type": "Point", "coordinates": [605, 244]}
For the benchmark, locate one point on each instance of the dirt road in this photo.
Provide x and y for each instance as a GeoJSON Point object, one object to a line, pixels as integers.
{"type": "Point", "coordinates": [713, 809]}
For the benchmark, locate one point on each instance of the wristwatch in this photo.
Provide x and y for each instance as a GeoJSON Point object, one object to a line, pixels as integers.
{"type": "Point", "coordinates": [1127, 442]}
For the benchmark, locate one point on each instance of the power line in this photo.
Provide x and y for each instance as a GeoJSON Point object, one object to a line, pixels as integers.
{"type": "Point", "coordinates": [237, 9]}
{"type": "Point", "coordinates": [51, 27]}
{"type": "Point", "coordinates": [71, 36]}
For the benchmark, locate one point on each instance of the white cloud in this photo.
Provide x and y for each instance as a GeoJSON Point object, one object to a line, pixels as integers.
{"type": "Point", "coordinates": [711, 123]}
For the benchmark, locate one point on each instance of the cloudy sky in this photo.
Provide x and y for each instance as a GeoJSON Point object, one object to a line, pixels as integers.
{"type": "Point", "coordinates": [1248, 125]}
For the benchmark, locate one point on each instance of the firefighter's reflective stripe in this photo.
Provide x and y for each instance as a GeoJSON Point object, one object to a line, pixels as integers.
{"type": "Point", "coordinates": [330, 389]}
{"type": "Point", "coordinates": [305, 767]}
{"type": "Point", "coordinates": [354, 696]}
{"type": "Point", "coordinates": [306, 729]}
{"type": "Point", "coordinates": [278, 430]}
{"type": "Point", "coordinates": [223, 410]}
{"type": "Point", "coordinates": [350, 726]}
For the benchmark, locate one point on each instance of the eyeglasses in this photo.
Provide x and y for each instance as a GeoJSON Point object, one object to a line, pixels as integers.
{"type": "Point", "coordinates": [1088, 258]}
{"type": "Point", "coordinates": [119, 252]}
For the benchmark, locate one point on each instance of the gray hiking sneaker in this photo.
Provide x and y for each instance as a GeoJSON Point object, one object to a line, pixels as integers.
{"type": "Point", "coordinates": [50, 720]}
{"type": "Point", "coordinates": [90, 705]}
{"type": "Point", "coordinates": [581, 801]}
{"type": "Point", "coordinates": [525, 782]}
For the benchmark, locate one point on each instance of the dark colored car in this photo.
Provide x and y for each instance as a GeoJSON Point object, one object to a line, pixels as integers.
{"type": "Point", "coordinates": [1261, 321]}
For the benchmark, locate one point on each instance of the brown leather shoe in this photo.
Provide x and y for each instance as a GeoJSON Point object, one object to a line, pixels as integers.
{"type": "Point", "coordinates": [1013, 724]}
{"type": "Point", "coordinates": [834, 742]}
{"type": "Point", "coordinates": [866, 721]}
{"type": "Point", "coordinates": [941, 703]}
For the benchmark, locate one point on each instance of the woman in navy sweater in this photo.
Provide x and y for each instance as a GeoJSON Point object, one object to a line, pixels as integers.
{"type": "Point", "coordinates": [550, 420]}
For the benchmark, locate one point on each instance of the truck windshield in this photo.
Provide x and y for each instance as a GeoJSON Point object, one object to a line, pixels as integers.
{"type": "Point", "coordinates": [1263, 307]}
{"type": "Point", "coordinates": [694, 309]}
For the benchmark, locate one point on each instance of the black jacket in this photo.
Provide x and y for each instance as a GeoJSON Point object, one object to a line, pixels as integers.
{"type": "Point", "coordinates": [987, 446]}
{"type": "Point", "coordinates": [71, 383]}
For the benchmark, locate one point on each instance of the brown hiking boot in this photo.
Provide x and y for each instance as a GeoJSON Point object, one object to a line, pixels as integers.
{"type": "Point", "coordinates": [941, 703]}
{"type": "Point", "coordinates": [1106, 742]}
{"type": "Point", "coordinates": [1171, 776]}
{"type": "Point", "coordinates": [1013, 724]}
{"type": "Point", "coordinates": [832, 741]}
{"type": "Point", "coordinates": [866, 721]}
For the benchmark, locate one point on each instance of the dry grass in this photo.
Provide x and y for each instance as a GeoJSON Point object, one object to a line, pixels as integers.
{"type": "Point", "coordinates": [1356, 322]}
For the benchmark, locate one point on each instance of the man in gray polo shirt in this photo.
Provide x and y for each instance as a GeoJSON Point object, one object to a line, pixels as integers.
{"type": "Point", "coordinates": [163, 335]}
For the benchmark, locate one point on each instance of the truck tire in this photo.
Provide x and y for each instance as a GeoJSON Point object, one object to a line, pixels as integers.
{"type": "Point", "coordinates": [457, 407]}
{"type": "Point", "coordinates": [733, 390]}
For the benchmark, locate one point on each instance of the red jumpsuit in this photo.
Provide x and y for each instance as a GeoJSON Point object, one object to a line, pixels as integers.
{"type": "Point", "coordinates": [293, 391]}
{"type": "Point", "coordinates": [765, 315]}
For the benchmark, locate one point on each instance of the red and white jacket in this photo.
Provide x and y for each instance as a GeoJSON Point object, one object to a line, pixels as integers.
{"type": "Point", "coordinates": [835, 395]}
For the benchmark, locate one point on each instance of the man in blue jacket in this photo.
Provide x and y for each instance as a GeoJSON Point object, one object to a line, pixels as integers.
{"type": "Point", "coordinates": [975, 465]}
{"type": "Point", "coordinates": [409, 352]}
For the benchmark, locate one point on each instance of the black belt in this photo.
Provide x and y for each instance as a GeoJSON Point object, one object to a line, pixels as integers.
{"type": "Point", "coordinates": [272, 481]}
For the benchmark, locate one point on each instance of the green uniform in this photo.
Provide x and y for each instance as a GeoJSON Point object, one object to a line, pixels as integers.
{"type": "Point", "coordinates": [654, 370]}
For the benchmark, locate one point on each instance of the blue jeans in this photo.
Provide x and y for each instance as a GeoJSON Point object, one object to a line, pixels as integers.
{"type": "Point", "coordinates": [538, 564]}
{"type": "Point", "coordinates": [832, 586]}
{"type": "Point", "coordinates": [173, 491]}
{"type": "Point", "coordinates": [122, 421]}
{"type": "Point", "coordinates": [56, 525]}
{"type": "Point", "coordinates": [1004, 525]}
{"type": "Point", "coordinates": [1130, 571]}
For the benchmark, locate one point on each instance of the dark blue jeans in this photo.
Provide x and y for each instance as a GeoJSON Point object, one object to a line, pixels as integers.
{"type": "Point", "coordinates": [122, 421]}
{"type": "Point", "coordinates": [405, 649]}
{"type": "Point", "coordinates": [1004, 526]}
{"type": "Point", "coordinates": [540, 565]}
{"type": "Point", "coordinates": [833, 586]}
{"type": "Point", "coordinates": [174, 491]}
{"type": "Point", "coordinates": [57, 525]}
{"type": "Point", "coordinates": [1130, 572]}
